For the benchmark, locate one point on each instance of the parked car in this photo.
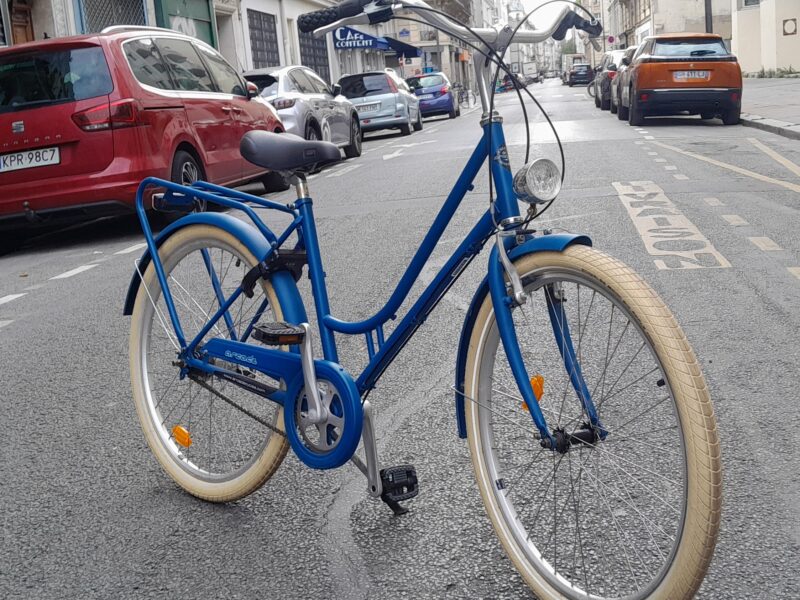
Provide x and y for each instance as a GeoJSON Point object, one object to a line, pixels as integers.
{"type": "Point", "coordinates": [309, 107]}
{"type": "Point", "coordinates": [84, 119]}
{"type": "Point", "coordinates": [605, 72]}
{"type": "Point", "coordinates": [383, 101]}
{"type": "Point", "coordinates": [435, 93]}
{"type": "Point", "coordinates": [579, 73]}
{"type": "Point", "coordinates": [690, 73]}
{"type": "Point", "coordinates": [621, 79]}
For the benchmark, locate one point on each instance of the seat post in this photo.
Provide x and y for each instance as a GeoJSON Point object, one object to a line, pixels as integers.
{"type": "Point", "coordinates": [300, 185]}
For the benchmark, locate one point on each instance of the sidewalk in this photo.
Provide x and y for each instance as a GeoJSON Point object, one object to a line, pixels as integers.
{"type": "Point", "coordinates": [772, 105]}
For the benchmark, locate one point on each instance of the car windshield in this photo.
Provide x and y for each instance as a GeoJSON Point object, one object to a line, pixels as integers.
{"type": "Point", "coordinates": [425, 81]}
{"type": "Point", "coordinates": [581, 67]}
{"type": "Point", "coordinates": [358, 86]}
{"type": "Point", "coordinates": [690, 47]}
{"type": "Point", "coordinates": [39, 78]}
{"type": "Point", "coordinates": [616, 57]}
{"type": "Point", "coordinates": [267, 84]}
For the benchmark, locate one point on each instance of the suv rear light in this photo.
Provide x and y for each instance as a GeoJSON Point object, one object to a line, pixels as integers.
{"type": "Point", "coordinates": [114, 115]}
{"type": "Point", "coordinates": [392, 85]}
{"type": "Point", "coordinates": [444, 89]}
{"type": "Point", "coordinates": [281, 103]}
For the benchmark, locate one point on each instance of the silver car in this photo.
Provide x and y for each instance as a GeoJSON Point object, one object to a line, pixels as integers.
{"type": "Point", "coordinates": [308, 107]}
{"type": "Point", "coordinates": [383, 101]}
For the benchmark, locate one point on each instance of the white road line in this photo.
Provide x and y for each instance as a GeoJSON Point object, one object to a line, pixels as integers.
{"type": "Point", "coordinates": [789, 186]}
{"type": "Point", "coordinates": [669, 237]}
{"type": "Point", "coordinates": [660, 160]}
{"type": "Point", "coordinates": [30, 288]}
{"type": "Point", "coordinates": [638, 142]}
{"type": "Point", "coordinates": [680, 176]}
{"type": "Point", "coordinates": [10, 297]}
{"type": "Point", "coordinates": [793, 270]}
{"type": "Point", "coordinates": [655, 154]}
{"type": "Point", "coordinates": [765, 244]}
{"type": "Point", "coordinates": [735, 220]}
{"type": "Point", "coordinates": [774, 155]}
{"type": "Point", "coordinates": [345, 170]}
{"type": "Point", "coordinates": [713, 201]}
{"type": "Point", "coordinates": [579, 95]}
{"type": "Point", "coordinates": [558, 95]}
{"type": "Point", "coordinates": [649, 137]}
{"type": "Point", "coordinates": [670, 168]}
{"type": "Point", "coordinates": [4, 323]}
{"type": "Point", "coordinates": [74, 271]}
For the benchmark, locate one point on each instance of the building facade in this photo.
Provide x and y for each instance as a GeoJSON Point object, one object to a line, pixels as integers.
{"type": "Point", "coordinates": [765, 34]}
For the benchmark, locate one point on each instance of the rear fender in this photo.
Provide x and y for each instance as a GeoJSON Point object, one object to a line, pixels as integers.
{"type": "Point", "coordinates": [282, 281]}
{"type": "Point", "coordinates": [545, 243]}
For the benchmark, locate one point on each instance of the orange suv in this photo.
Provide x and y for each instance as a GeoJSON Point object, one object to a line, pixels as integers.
{"type": "Point", "coordinates": [675, 73]}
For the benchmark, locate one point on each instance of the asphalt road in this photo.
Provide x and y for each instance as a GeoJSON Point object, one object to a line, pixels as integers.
{"type": "Point", "coordinates": [87, 512]}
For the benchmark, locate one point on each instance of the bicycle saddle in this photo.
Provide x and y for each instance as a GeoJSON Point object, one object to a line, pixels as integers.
{"type": "Point", "coordinates": [286, 151]}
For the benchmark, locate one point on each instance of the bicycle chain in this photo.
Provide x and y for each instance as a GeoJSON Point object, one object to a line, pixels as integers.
{"type": "Point", "coordinates": [216, 392]}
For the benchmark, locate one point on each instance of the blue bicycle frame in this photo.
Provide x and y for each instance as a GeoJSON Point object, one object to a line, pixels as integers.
{"type": "Point", "coordinates": [382, 351]}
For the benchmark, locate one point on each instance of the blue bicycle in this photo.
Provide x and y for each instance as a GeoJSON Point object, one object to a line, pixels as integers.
{"type": "Point", "coordinates": [590, 426]}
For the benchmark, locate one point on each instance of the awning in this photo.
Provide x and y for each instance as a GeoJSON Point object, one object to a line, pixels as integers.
{"type": "Point", "coordinates": [403, 49]}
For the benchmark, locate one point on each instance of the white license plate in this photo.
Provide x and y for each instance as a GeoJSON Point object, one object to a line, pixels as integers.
{"type": "Point", "coordinates": [686, 75]}
{"type": "Point", "coordinates": [425, 96]}
{"type": "Point", "coordinates": [29, 159]}
{"type": "Point", "coordinates": [367, 107]}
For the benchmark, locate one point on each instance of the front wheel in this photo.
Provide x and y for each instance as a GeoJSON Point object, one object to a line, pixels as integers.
{"type": "Point", "coordinates": [633, 515]}
{"type": "Point", "coordinates": [216, 440]}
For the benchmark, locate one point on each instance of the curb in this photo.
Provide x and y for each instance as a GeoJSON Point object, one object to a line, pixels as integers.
{"type": "Point", "coordinates": [789, 130]}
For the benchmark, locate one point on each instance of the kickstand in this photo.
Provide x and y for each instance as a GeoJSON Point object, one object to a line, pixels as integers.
{"type": "Point", "coordinates": [395, 506]}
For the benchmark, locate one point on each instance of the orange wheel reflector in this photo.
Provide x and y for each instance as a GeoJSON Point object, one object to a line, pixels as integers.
{"type": "Point", "coordinates": [537, 385]}
{"type": "Point", "coordinates": [182, 436]}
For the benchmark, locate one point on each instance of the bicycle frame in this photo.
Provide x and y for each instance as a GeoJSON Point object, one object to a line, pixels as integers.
{"type": "Point", "coordinates": [382, 351]}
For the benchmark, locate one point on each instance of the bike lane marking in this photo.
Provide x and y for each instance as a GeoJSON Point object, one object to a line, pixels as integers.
{"type": "Point", "coordinates": [133, 248]}
{"type": "Point", "coordinates": [764, 243]}
{"type": "Point", "coordinates": [10, 297]}
{"type": "Point", "coordinates": [775, 156]}
{"type": "Point", "coordinates": [735, 220]}
{"type": "Point", "coordinates": [74, 271]}
{"type": "Point", "coordinates": [788, 185]}
{"type": "Point", "coordinates": [794, 271]}
{"type": "Point", "coordinates": [668, 235]}
{"type": "Point", "coordinates": [4, 323]}
{"type": "Point", "coordinates": [343, 171]}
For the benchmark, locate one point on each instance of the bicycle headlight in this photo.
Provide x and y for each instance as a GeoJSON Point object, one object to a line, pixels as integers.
{"type": "Point", "coordinates": [538, 181]}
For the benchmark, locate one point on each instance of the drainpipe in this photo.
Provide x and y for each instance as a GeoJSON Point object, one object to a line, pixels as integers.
{"type": "Point", "coordinates": [288, 55]}
{"type": "Point", "coordinates": [709, 18]}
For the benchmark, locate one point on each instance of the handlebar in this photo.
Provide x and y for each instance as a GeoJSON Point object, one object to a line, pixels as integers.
{"type": "Point", "coordinates": [379, 11]}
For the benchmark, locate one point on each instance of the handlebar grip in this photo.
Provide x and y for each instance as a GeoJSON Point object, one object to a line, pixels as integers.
{"type": "Point", "coordinates": [320, 18]}
{"type": "Point", "coordinates": [593, 28]}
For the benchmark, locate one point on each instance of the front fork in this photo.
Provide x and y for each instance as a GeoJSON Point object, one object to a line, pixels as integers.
{"type": "Point", "coordinates": [504, 299]}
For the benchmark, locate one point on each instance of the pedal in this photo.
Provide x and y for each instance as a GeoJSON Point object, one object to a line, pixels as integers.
{"type": "Point", "coordinates": [278, 334]}
{"type": "Point", "coordinates": [399, 483]}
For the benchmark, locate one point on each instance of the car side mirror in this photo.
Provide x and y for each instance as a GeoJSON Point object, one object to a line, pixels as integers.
{"type": "Point", "coordinates": [337, 89]}
{"type": "Point", "coordinates": [611, 67]}
{"type": "Point", "coordinates": [626, 61]}
{"type": "Point", "coordinates": [252, 89]}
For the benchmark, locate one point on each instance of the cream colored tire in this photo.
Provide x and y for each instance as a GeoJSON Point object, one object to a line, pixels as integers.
{"type": "Point", "coordinates": [685, 566]}
{"type": "Point", "coordinates": [179, 255]}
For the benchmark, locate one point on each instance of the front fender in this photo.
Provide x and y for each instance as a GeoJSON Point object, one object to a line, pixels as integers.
{"type": "Point", "coordinates": [544, 243]}
{"type": "Point", "coordinates": [282, 281]}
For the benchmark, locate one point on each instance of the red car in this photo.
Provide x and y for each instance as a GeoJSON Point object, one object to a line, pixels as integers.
{"type": "Point", "coordinates": [84, 119]}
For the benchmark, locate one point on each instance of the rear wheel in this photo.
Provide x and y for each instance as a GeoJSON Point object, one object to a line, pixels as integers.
{"type": "Point", "coordinates": [418, 124]}
{"type": "Point", "coordinates": [216, 440]}
{"type": "Point", "coordinates": [635, 116]}
{"type": "Point", "coordinates": [311, 133]}
{"type": "Point", "coordinates": [406, 128]}
{"type": "Point", "coordinates": [622, 110]}
{"type": "Point", "coordinates": [732, 116]}
{"type": "Point", "coordinates": [633, 515]}
{"type": "Point", "coordinates": [353, 150]}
